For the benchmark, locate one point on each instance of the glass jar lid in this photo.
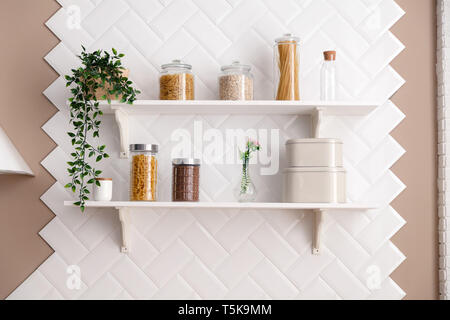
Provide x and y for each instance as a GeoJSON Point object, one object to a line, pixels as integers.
{"type": "Point", "coordinates": [144, 148]}
{"type": "Point", "coordinates": [287, 37]}
{"type": "Point", "coordinates": [176, 64]}
{"type": "Point", "coordinates": [186, 161]}
{"type": "Point", "coordinates": [236, 65]}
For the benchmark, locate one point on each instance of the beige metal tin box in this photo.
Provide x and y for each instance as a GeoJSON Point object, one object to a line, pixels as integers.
{"type": "Point", "coordinates": [314, 185]}
{"type": "Point", "coordinates": [314, 153]}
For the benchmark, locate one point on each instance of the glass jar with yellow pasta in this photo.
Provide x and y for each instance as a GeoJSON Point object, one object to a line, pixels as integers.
{"type": "Point", "coordinates": [176, 81]}
{"type": "Point", "coordinates": [144, 170]}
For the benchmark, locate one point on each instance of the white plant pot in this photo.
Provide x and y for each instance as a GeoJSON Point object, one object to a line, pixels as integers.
{"type": "Point", "coordinates": [104, 191]}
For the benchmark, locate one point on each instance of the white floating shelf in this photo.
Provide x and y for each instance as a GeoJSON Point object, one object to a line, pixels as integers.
{"type": "Point", "coordinates": [318, 209]}
{"type": "Point", "coordinates": [349, 108]}
{"type": "Point", "coordinates": [317, 109]}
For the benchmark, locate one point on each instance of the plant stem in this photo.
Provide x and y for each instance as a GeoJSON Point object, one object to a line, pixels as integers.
{"type": "Point", "coordinates": [83, 148]}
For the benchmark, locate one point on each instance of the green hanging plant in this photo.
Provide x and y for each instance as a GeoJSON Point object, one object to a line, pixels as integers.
{"type": "Point", "coordinates": [101, 71]}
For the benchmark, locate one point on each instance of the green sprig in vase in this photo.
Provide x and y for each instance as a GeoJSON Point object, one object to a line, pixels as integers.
{"type": "Point", "coordinates": [246, 191]}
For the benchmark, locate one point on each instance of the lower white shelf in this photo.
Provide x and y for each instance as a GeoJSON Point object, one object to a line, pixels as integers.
{"type": "Point", "coordinates": [318, 209]}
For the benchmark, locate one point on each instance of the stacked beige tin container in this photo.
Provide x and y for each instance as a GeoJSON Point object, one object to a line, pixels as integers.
{"type": "Point", "coordinates": [315, 172]}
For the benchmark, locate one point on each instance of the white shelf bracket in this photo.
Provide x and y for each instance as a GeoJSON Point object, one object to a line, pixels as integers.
{"type": "Point", "coordinates": [316, 118]}
{"type": "Point", "coordinates": [125, 220]}
{"type": "Point", "coordinates": [122, 122]}
{"type": "Point", "coordinates": [319, 215]}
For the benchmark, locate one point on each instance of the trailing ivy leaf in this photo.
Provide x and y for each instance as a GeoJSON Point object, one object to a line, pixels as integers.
{"type": "Point", "coordinates": [98, 158]}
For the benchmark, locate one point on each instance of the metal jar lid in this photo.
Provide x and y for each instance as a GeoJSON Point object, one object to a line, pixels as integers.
{"type": "Point", "coordinates": [144, 148]}
{"type": "Point", "coordinates": [186, 162]}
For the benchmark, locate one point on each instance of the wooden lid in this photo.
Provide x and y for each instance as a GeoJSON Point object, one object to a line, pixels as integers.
{"type": "Point", "coordinates": [103, 179]}
{"type": "Point", "coordinates": [330, 55]}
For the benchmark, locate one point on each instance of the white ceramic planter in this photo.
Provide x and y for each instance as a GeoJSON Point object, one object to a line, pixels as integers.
{"type": "Point", "coordinates": [314, 153]}
{"type": "Point", "coordinates": [316, 185]}
{"type": "Point", "coordinates": [104, 191]}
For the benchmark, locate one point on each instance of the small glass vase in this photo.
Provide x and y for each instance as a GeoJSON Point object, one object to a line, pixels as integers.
{"type": "Point", "coordinates": [245, 191]}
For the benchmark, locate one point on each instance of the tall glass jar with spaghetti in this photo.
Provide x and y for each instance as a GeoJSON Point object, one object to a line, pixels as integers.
{"type": "Point", "coordinates": [176, 81]}
{"type": "Point", "coordinates": [286, 65]}
{"type": "Point", "coordinates": [144, 169]}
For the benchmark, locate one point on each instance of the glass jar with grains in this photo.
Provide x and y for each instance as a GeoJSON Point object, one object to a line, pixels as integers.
{"type": "Point", "coordinates": [176, 81]}
{"type": "Point", "coordinates": [143, 178]}
{"type": "Point", "coordinates": [236, 82]}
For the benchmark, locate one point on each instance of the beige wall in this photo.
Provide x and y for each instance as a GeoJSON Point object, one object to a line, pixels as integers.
{"type": "Point", "coordinates": [24, 110]}
{"type": "Point", "coordinates": [418, 240]}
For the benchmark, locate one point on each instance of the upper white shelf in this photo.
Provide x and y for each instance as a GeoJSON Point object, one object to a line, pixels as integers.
{"type": "Point", "coordinates": [228, 205]}
{"type": "Point", "coordinates": [317, 110]}
{"type": "Point", "coordinates": [338, 108]}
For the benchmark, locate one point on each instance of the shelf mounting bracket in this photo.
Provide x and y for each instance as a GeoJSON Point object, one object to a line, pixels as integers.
{"type": "Point", "coordinates": [319, 215]}
{"type": "Point", "coordinates": [125, 220]}
{"type": "Point", "coordinates": [122, 122]}
{"type": "Point", "coordinates": [316, 118]}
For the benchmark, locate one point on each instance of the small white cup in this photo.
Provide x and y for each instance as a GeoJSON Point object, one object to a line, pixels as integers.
{"type": "Point", "coordinates": [104, 191]}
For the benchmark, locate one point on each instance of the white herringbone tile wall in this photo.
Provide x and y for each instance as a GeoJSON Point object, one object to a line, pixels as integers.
{"type": "Point", "coordinates": [213, 254]}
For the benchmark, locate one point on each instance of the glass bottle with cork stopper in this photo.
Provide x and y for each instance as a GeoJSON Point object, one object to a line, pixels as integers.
{"type": "Point", "coordinates": [328, 77]}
